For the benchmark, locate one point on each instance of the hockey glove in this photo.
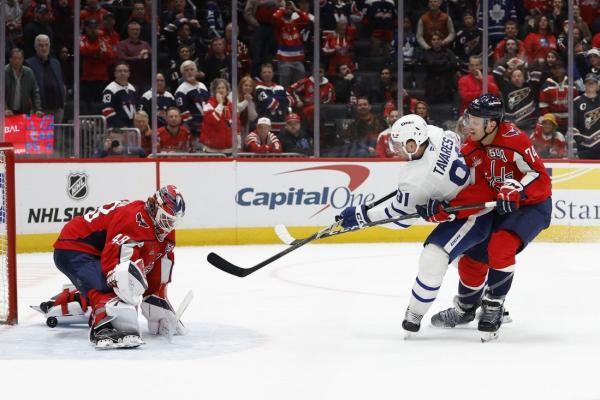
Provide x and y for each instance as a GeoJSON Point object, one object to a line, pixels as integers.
{"type": "Point", "coordinates": [509, 196]}
{"type": "Point", "coordinates": [434, 211]}
{"type": "Point", "coordinates": [353, 217]}
{"type": "Point", "coordinates": [161, 317]}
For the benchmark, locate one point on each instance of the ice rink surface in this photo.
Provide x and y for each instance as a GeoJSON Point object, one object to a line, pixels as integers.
{"type": "Point", "coordinates": [322, 323]}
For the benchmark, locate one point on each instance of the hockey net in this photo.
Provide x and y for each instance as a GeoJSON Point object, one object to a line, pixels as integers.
{"type": "Point", "coordinates": [8, 272]}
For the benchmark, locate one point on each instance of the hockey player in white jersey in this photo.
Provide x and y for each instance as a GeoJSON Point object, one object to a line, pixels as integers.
{"type": "Point", "coordinates": [435, 174]}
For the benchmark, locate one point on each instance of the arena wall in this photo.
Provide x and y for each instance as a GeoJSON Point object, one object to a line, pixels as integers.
{"type": "Point", "coordinates": [239, 201]}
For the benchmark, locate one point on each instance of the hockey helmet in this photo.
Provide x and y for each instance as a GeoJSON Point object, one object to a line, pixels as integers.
{"type": "Point", "coordinates": [409, 127]}
{"type": "Point", "coordinates": [167, 208]}
{"type": "Point", "coordinates": [486, 106]}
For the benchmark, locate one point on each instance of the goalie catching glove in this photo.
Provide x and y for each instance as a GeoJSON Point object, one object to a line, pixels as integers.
{"type": "Point", "coordinates": [161, 317]}
{"type": "Point", "coordinates": [509, 196]}
{"type": "Point", "coordinates": [434, 211]}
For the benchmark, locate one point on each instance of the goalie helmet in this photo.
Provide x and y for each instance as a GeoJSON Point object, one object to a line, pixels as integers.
{"type": "Point", "coordinates": [166, 208]}
{"type": "Point", "coordinates": [409, 127]}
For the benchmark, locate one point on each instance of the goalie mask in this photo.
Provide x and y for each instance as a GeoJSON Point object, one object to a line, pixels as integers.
{"type": "Point", "coordinates": [166, 208]}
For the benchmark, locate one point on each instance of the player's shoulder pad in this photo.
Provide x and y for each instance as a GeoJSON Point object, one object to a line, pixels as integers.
{"type": "Point", "coordinates": [513, 138]}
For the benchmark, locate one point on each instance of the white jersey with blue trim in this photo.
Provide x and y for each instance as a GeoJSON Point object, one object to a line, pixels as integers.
{"type": "Point", "coordinates": [441, 173]}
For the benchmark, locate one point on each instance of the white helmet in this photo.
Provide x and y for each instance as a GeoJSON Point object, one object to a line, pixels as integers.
{"type": "Point", "coordinates": [409, 127]}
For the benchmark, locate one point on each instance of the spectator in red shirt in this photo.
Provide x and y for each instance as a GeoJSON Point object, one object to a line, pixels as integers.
{"type": "Point", "coordinates": [243, 58]}
{"type": "Point", "coordinates": [511, 30]}
{"type": "Point", "coordinates": [471, 86]}
{"type": "Point", "coordinates": [97, 55]}
{"type": "Point", "coordinates": [338, 46]}
{"type": "Point", "coordinates": [554, 95]}
{"type": "Point", "coordinates": [174, 137]}
{"type": "Point", "coordinates": [215, 134]}
{"type": "Point", "coordinates": [290, 45]}
{"type": "Point", "coordinates": [548, 142]}
{"type": "Point", "coordinates": [262, 140]}
{"type": "Point", "coordinates": [108, 31]}
{"type": "Point", "coordinates": [539, 42]}
{"type": "Point", "coordinates": [92, 10]}
{"type": "Point", "coordinates": [383, 148]}
{"type": "Point", "coordinates": [302, 93]}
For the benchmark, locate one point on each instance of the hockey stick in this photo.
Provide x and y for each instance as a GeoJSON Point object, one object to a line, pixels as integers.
{"type": "Point", "coordinates": [331, 230]}
{"type": "Point", "coordinates": [283, 234]}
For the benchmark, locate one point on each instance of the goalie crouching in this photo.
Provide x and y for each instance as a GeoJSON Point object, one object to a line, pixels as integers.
{"type": "Point", "coordinates": [120, 256]}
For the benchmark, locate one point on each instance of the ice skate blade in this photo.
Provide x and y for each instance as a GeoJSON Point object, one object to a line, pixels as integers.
{"type": "Point", "coordinates": [408, 335]}
{"type": "Point", "coordinates": [128, 342]}
{"type": "Point", "coordinates": [488, 336]}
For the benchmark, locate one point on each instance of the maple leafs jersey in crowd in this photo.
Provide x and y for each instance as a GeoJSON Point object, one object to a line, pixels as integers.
{"type": "Point", "coordinates": [118, 232]}
{"type": "Point", "coordinates": [119, 105]}
{"type": "Point", "coordinates": [440, 174]}
{"type": "Point", "coordinates": [511, 155]}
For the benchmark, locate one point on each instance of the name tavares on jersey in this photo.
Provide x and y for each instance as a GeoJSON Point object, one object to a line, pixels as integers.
{"type": "Point", "coordinates": [445, 152]}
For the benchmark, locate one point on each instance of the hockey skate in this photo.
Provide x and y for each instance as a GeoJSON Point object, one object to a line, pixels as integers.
{"type": "Point", "coordinates": [411, 323]}
{"type": "Point", "coordinates": [491, 318]}
{"type": "Point", "coordinates": [460, 314]}
{"type": "Point", "coordinates": [105, 337]}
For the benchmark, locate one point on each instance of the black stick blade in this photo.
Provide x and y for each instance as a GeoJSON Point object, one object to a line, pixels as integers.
{"type": "Point", "coordinates": [225, 266]}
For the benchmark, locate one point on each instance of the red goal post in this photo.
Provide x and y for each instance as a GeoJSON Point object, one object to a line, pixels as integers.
{"type": "Point", "coordinates": [8, 259]}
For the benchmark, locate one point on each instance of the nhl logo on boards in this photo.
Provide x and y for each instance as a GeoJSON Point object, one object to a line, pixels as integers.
{"type": "Point", "coordinates": [77, 185]}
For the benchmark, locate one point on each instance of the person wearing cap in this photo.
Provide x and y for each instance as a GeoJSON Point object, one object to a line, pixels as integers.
{"type": "Point", "coordinates": [587, 119]}
{"type": "Point", "coordinates": [293, 138]}
{"type": "Point", "coordinates": [49, 77]}
{"type": "Point", "coordinates": [40, 25]}
{"type": "Point", "coordinates": [547, 141]}
{"type": "Point", "coordinates": [108, 31]}
{"type": "Point", "coordinates": [262, 140]}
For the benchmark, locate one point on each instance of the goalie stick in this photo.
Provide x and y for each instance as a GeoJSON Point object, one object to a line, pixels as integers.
{"type": "Point", "coordinates": [331, 230]}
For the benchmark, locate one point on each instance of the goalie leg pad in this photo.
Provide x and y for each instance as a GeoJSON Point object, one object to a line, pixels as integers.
{"type": "Point", "coordinates": [124, 316]}
{"type": "Point", "coordinates": [128, 281]}
{"type": "Point", "coordinates": [433, 265]}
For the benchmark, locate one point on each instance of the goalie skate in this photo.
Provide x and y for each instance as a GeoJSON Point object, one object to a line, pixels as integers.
{"type": "Point", "coordinates": [106, 337]}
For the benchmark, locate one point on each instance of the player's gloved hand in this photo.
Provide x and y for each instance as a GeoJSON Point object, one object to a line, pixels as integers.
{"type": "Point", "coordinates": [434, 211]}
{"type": "Point", "coordinates": [509, 196]}
{"type": "Point", "coordinates": [128, 281]}
{"type": "Point", "coordinates": [353, 217]}
{"type": "Point", "coordinates": [161, 317]}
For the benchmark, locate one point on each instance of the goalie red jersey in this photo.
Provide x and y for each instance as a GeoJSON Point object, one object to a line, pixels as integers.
{"type": "Point", "coordinates": [118, 232]}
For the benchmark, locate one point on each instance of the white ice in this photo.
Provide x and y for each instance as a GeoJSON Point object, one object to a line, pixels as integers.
{"type": "Point", "coordinates": [321, 323]}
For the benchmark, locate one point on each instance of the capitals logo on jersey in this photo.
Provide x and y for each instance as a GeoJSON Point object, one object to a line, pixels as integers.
{"type": "Point", "coordinates": [140, 221]}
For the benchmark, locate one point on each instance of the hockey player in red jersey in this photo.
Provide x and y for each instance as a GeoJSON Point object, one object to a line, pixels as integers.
{"type": "Point", "coordinates": [510, 164]}
{"type": "Point", "coordinates": [120, 256]}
